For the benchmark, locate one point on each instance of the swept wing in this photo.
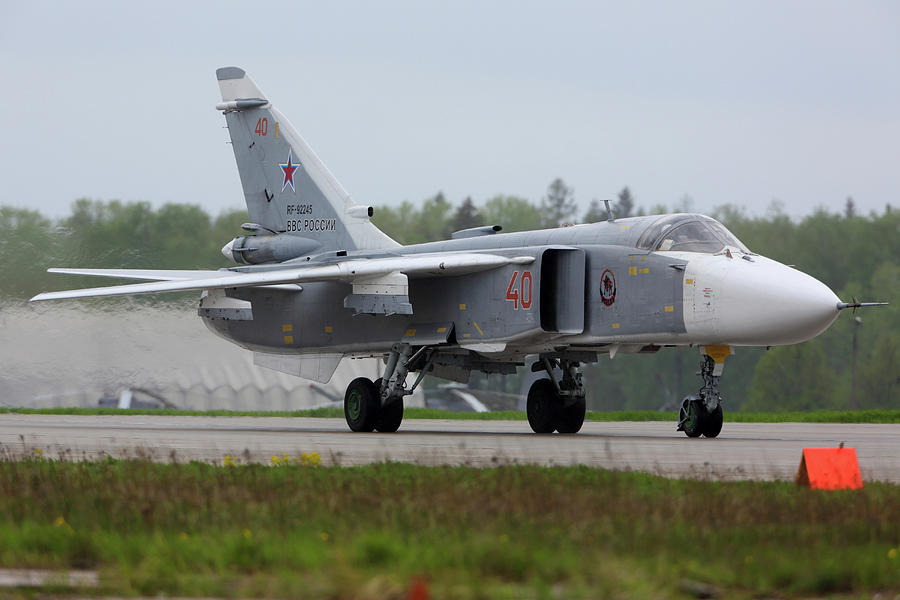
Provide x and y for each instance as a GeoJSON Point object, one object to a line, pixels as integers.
{"type": "Point", "coordinates": [348, 271]}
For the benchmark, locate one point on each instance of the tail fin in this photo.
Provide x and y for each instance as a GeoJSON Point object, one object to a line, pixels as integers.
{"type": "Point", "coordinates": [286, 186]}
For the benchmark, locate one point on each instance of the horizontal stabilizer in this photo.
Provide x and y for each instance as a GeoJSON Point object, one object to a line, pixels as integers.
{"type": "Point", "coordinates": [146, 274]}
{"type": "Point", "coordinates": [348, 271]}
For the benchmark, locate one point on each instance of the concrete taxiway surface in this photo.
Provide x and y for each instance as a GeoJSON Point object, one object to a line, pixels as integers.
{"type": "Point", "coordinates": [743, 451]}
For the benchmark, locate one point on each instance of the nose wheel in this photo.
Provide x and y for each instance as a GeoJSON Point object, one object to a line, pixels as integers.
{"type": "Point", "coordinates": [695, 420]}
{"type": "Point", "coordinates": [702, 414]}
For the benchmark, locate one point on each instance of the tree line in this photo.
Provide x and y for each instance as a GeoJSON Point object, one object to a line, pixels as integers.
{"type": "Point", "coordinates": [858, 256]}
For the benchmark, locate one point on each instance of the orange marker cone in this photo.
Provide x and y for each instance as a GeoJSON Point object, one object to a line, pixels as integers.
{"type": "Point", "coordinates": [829, 469]}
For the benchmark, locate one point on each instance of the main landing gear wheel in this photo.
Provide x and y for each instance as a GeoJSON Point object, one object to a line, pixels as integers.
{"type": "Point", "coordinates": [542, 405]}
{"type": "Point", "coordinates": [569, 419]}
{"type": "Point", "coordinates": [547, 411]}
{"type": "Point", "coordinates": [390, 415]}
{"type": "Point", "coordinates": [361, 404]}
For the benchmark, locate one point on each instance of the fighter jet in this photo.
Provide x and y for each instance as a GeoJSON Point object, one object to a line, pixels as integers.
{"type": "Point", "coordinates": [317, 282]}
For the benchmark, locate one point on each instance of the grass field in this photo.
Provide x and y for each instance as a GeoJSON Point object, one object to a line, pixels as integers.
{"type": "Point", "coordinates": [515, 531]}
{"type": "Point", "coordinates": [815, 416]}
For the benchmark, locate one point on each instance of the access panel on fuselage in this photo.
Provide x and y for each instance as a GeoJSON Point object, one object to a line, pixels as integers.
{"type": "Point", "coordinates": [633, 293]}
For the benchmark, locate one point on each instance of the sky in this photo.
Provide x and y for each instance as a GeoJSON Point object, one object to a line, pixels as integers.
{"type": "Point", "coordinates": [746, 103]}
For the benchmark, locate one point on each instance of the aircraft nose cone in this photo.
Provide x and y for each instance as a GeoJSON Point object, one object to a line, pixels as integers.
{"type": "Point", "coordinates": [769, 303]}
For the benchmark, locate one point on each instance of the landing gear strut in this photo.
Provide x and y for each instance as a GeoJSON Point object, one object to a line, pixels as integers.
{"type": "Point", "coordinates": [556, 404]}
{"type": "Point", "coordinates": [378, 405]}
{"type": "Point", "coordinates": [702, 414]}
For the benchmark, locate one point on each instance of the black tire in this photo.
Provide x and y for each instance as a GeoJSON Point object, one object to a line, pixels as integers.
{"type": "Point", "coordinates": [361, 404]}
{"type": "Point", "coordinates": [542, 406]}
{"type": "Point", "coordinates": [712, 424]}
{"type": "Point", "coordinates": [569, 419]}
{"type": "Point", "coordinates": [696, 417]}
{"type": "Point", "coordinates": [391, 415]}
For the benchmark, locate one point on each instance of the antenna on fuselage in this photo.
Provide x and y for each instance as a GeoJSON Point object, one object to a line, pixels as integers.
{"type": "Point", "coordinates": [609, 213]}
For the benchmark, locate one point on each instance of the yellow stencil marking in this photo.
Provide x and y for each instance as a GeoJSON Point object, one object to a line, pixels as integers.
{"type": "Point", "coordinates": [329, 329]}
{"type": "Point", "coordinates": [462, 307]}
{"type": "Point", "coordinates": [441, 329]}
{"type": "Point", "coordinates": [624, 227]}
{"type": "Point", "coordinates": [632, 270]}
{"type": "Point", "coordinates": [645, 270]}
{"type": "Point", "coordinates": [670, 309]}
{"type": "Point", "coordinates": [276, 130]}
{"type": "Point", "coordinates": [615, 325]}
{"type": "Point", "coordinates": [287, 327]}
{"type": "Point", "coordinates": [477, 327]}
{"type": "Point", "coordinates": [410, 333]}
{"type": "Point", "coordinates": [288, 339]}
{"type": "Point", "coordinates": [643, 258]}
{"type": "Point", "coordinates": [465, 335]}
{"type": "Point", "coordinates": [688, 282]}
{"type": "Point", "coordinates": [632, 259]}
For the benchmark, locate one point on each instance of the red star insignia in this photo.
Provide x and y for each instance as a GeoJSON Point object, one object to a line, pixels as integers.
{"type": "Point", "coordinates": [289, 169]}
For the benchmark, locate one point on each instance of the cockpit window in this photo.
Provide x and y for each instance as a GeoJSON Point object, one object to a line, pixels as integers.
{"type": "Point", "coordinates": [726, 236]}
{"type": "Point", "coordinates": [689, 233]}
{"type": "Point", "coordinates": [691, 237]}
{"type": "Point", "coordinates": [648, 239]}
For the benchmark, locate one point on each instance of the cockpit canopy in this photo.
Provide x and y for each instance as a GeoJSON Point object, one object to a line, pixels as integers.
{"type": "Point", "coordinates": [689, 233]}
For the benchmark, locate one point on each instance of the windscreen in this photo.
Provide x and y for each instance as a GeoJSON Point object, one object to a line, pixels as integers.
{"type": "Point", "coordinates": [691, 237]}
{"type": "Point", "coordinates": [648, 239]}
{"type": "Point", "coordinates": [689, 233]}
{"type": "Point", "coordinates": [729, 238]}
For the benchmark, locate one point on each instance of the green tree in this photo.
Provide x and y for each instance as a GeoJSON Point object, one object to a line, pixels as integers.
{"type": "Point", "coordinates": [879, 381]}
{"type": "Point", "coordinates": [466, 216]}
{"type": "Point", "coordinates": [625, 205]}
{"type": "Point", "coordinates": [28, 247]}
{"type": "Point", "coordinates": [790, 378]}
{"type": "Point", "coordinates": [595, 213]}
{"type": "Point", "coordinates": [558, 205]}
{"type": "Point", "coordinates": [849, 208]}
{"type": "Point", "coordinates": [434, 219]}
{"type": "Point", "coordinates": [512, 213]}
{"type": "Point", "coordinates": [395, 221]}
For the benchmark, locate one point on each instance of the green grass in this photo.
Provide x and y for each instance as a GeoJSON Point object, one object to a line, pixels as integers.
{"type": "Point", "coordinates": [815, 416]}
{"type": "Point", "coordinates": [512, 531]}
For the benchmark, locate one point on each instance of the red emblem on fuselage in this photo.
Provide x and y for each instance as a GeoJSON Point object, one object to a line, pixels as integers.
{"type": "Point", "coordinates": [607, 288]}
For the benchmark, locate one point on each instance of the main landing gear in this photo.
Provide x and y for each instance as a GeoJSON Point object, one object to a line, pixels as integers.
{"type": "Point", "coordinates": [702, 414]}
{"type": "Point", "coordinates": [556, 404]}
{"type": "Point", "coordinates": [378, 405]}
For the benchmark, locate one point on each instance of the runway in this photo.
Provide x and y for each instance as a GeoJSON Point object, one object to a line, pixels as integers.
{"type": "Point", "coordinates": [743, 450]}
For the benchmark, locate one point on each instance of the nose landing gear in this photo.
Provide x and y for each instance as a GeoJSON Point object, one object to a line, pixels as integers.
{"type": "Point", "coordinates": [702, 414]}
